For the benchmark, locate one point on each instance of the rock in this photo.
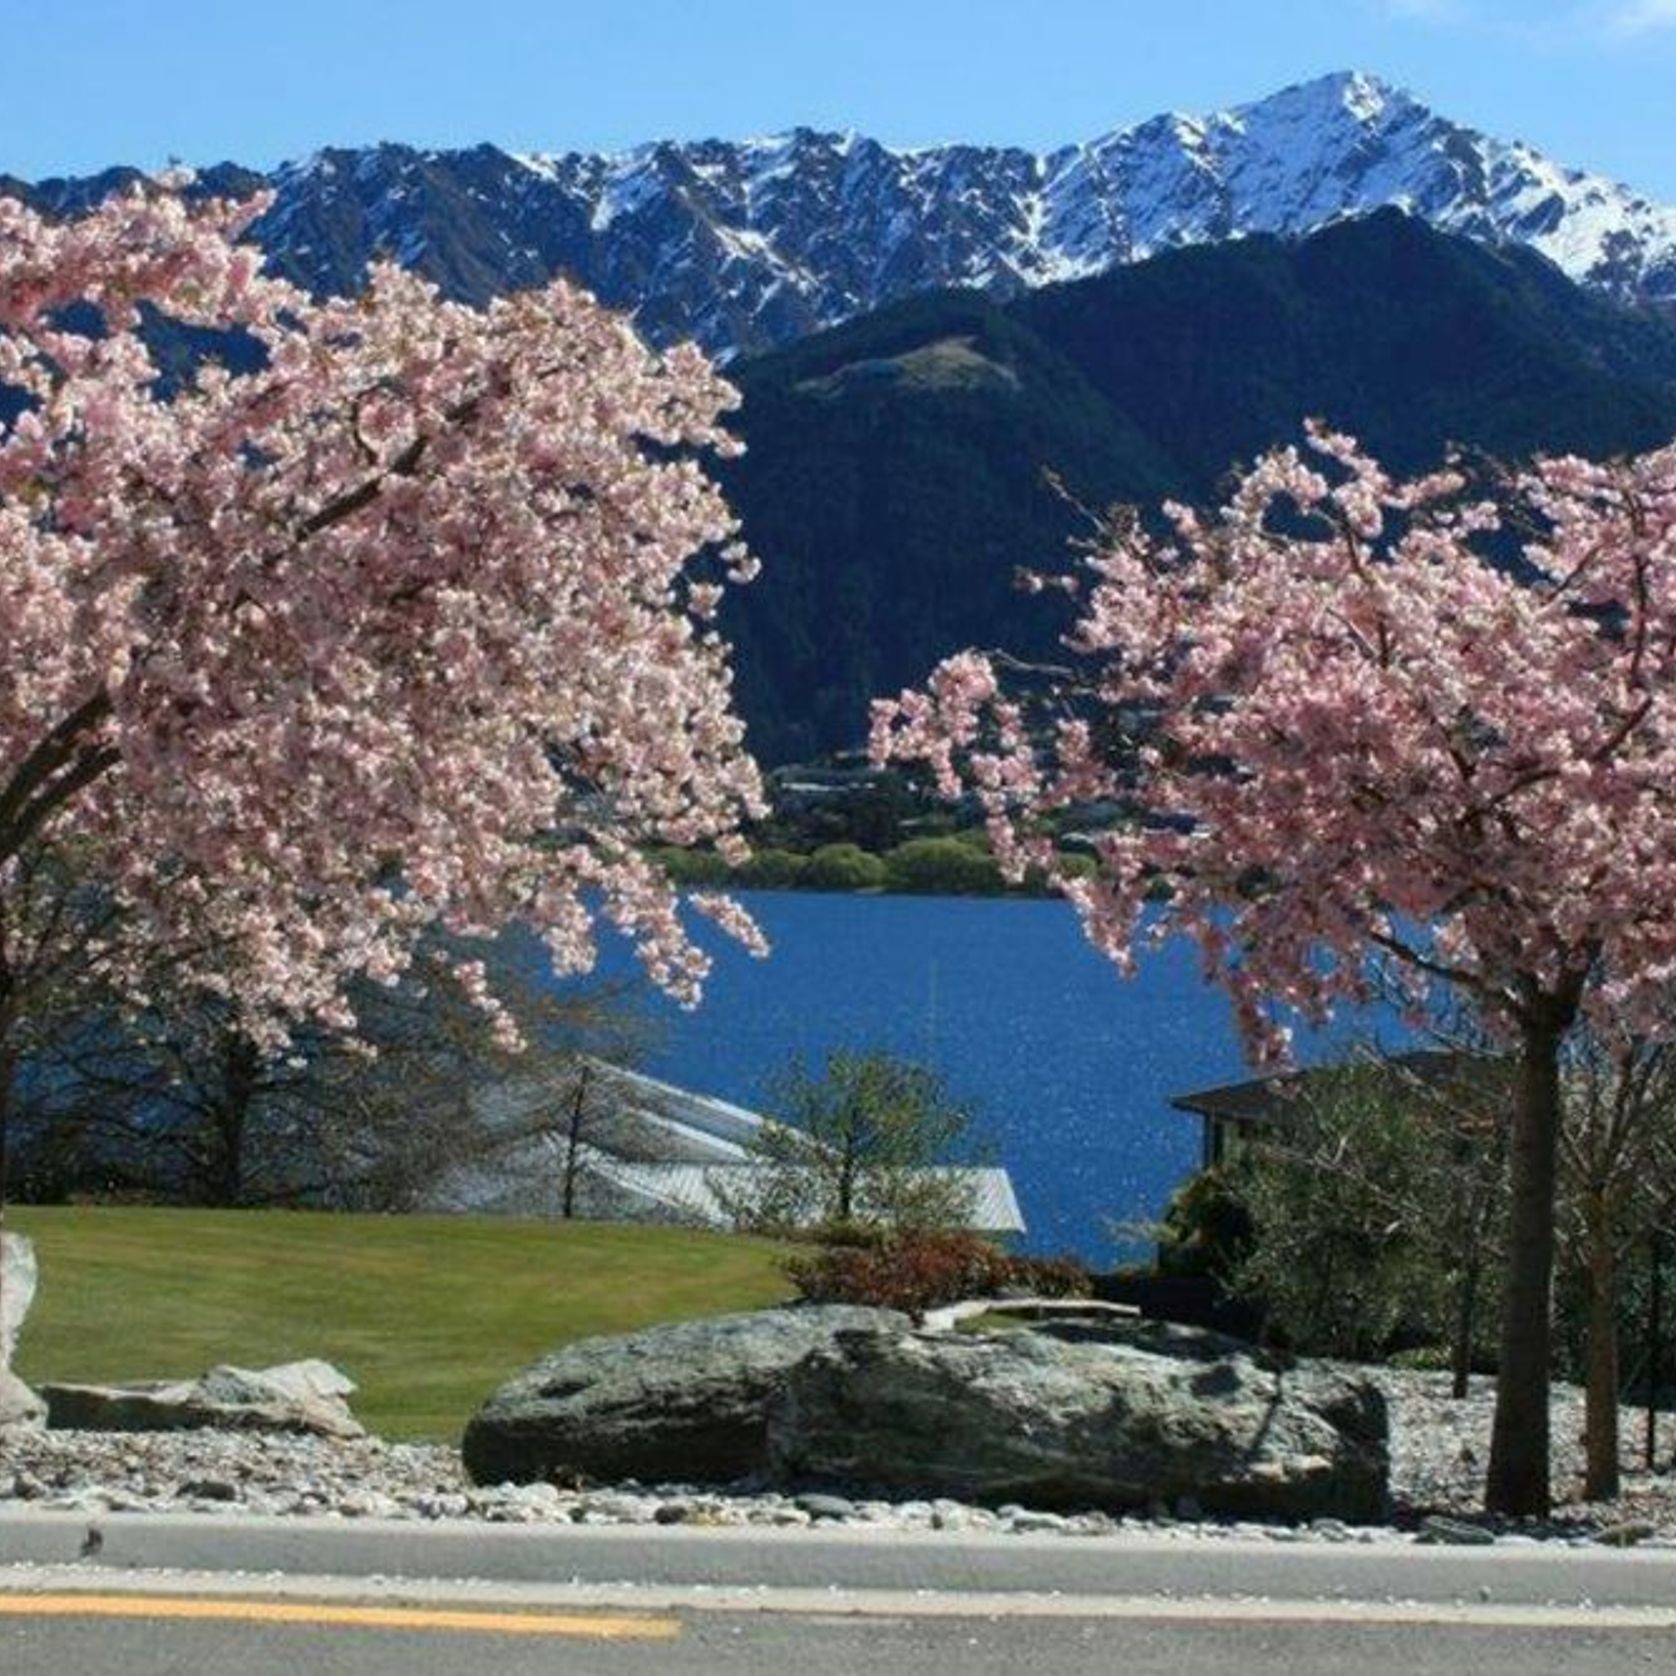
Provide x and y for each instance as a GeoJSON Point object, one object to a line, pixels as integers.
{"type": "Point", "coordinates": [293, 1397]}
{"type": "Point", "coordinates": [1439, 1529]}
{"type": "Point", "coordinates": [19, 1406]}
{"type": "Point", "coordinates": [311, 1380]}
{"type": "Point", "coordinates": [17, 1291]}
{"type": "Point", "coordinates": [819, 1506]}
{"type": "Point", "coordinates": [1122, 1326]}
{"type": "Point", "coordinates": [210, 1489]}
{"type": "Point", "coordinates": [1025, 1417]}
{"type": "Point", "coordinates": [1032, 1523]}
{"type": "Point", "coordinates": [312, 1390]}
{"type": "Point", "coordinates": [686, 1402]}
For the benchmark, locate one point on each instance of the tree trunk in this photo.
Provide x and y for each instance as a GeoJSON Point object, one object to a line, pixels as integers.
{"type": "Point", "coordinates": [241, 1066]}
{"type": "Point", "coordinates": [1466, 1316]}
{"type": "Point", "coordinates": [8, 1064]}
{"type": "Point", "coordinates": [1655, 1334]}
{"type": "Point", "coordinates": [1518, 1481]}
{"type": "Point", "coordinates": [1600, 1413]}
{"type": "Point", "coordinates": [5, 1162]}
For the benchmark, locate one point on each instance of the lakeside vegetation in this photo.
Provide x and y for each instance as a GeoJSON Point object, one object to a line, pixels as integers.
{"type": "Point", "coordinates": [842, 824]}
{"type": "Point", "coordinates": [955, 864]}
{"type": "Point", "coordinates": [428, 1314]}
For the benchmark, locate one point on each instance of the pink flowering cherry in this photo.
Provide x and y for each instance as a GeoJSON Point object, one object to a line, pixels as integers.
{"type": "Point", "coordinates": [412, 625]}
{"type": "Point", "coordinates": [1352, 718]}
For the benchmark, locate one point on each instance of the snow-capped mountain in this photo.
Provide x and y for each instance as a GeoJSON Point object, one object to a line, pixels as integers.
{"type": "Point", "coordinates": [749, 244]}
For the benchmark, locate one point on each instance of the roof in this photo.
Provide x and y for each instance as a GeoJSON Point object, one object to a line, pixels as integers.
{"type": "Point", "coordinates": [1262, 1099]}
{"type": "Point", "coordinates": [693, 1189]}
{"type": "Point", "coordinates": [679, 1109]}
{"type": "Point", "coordinates": [632, 1114]}
{"type": "Point", "coordinates": [658, 1146]}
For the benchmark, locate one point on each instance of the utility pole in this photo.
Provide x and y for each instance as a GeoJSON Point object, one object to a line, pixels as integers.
{"type": "Point", "coordinates": [573, 1149]}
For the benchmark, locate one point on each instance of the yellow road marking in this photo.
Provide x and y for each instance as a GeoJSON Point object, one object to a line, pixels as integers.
{"type": "Point", "coordinates": [599, 1627]}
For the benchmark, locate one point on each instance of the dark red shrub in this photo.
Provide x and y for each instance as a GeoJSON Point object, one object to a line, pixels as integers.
{"type": "Point", "coordinates": [912, 1272]}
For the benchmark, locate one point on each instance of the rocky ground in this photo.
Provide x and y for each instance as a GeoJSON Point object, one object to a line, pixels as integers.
{"type": "Point", "coordinates": [1440, 1447]}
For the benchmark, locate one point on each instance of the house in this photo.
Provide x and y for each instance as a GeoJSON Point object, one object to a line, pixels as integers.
{"type": "Point", "coordinates": [615, 1145]}
{"type": "Point", "coordinates": [1232, 1113]}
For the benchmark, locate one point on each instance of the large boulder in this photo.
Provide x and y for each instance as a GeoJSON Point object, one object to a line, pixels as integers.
{"type": "Point", "coordinates": [17, 1290]}
{"type": "Point", "coordinates": [303, 1397]}
{"type": "Point", "coordinates": [686, 1402]}
{"type": "Point", "coordinates": [1025, 1417]}
{"type": "Point", "coordinates": [19, 1406]}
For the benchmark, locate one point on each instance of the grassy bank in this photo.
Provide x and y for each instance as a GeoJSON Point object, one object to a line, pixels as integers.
{"type": "Point", "coordinates": [427, 1314]}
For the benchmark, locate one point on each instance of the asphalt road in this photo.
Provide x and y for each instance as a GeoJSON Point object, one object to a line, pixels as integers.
{"type": "Point", "coordinates": [188, 1593]}
{"type": "Point", "coordinates": [824, 1646]}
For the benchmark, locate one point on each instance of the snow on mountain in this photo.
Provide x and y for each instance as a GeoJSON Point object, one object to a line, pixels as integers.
{"type": "Point", "coordinates": [749, 244]}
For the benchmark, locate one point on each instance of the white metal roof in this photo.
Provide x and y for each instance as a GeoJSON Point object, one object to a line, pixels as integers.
{"type": "Point", "coordinates": [654, 1142]}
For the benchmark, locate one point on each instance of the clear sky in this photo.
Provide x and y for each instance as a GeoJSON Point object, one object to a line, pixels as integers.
{"type": "Point", "coordinates": [84, 83]}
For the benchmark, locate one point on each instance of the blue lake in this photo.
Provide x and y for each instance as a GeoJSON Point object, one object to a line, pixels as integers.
{"type": "Point", "coordinates": [1069, 1067]}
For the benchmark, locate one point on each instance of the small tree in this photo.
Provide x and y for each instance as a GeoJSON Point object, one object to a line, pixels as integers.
{"type": "Point", "coordinates": [1377, 1205]}
{"type": "Point", "coordinates": [177, 1098]}
{"type": "Point", "coordinates": [1617, 1161]}
{"type": "Point", "coordinates": [1350, 716]}
{"type": "Point", "coordinates": [868, 1141]}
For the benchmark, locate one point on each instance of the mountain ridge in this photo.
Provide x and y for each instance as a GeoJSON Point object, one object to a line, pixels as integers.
{"type": "Point", "coordinates": [747, 245]}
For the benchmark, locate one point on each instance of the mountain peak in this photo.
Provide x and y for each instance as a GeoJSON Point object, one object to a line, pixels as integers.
{"type": "Point", "coordinates": [1360, 93]}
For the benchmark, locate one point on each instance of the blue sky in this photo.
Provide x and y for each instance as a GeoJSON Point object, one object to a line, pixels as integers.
{"type": "Point", "coordinates": [88, 82]}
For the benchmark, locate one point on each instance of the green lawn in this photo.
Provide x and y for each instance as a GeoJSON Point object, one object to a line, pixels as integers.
{"type": "Point", "coordinates": [427, 1313]}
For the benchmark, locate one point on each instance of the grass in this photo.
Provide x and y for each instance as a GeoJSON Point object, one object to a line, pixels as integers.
{"type": "Point", "coordinates": [995, 1321]}
{"type": "Point", "coordinates": [428, 1314]}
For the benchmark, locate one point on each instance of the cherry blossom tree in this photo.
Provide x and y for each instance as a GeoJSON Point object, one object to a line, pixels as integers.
{"type": "Point", "coordinates": [378, 614]}
{"type": "Point", "coordinates": [1431, 723]}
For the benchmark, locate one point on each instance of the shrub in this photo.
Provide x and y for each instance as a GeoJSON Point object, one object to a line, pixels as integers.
{"type": "Point", "coordinates": [836, 1232]}
{"type": "Point", "coordinates": [1052, 1277]}
{"type": "Point", "coordinates": [943, 867]}
{"type": "Point", "coordinates": [1207, 1228]}
{"type": "Point", "coordinates": [1422, 1358]}
{"type": "Point", "coordinates": [691, 867]}
{"type": "Point", "coordinates": [843, 867]}
{"type": "Point", "coordinates": [917, 1271]}
{"type": "Point", "coordinates": [912, 1272]}
{"type": "Point", "coordinates": [773, 870]}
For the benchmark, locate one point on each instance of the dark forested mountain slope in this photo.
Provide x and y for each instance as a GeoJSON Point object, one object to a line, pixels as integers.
{"type": "Point", "coordinates": [894, 476]}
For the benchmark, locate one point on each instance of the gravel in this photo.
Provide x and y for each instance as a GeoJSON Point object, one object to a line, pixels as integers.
{"type": "Point", "coordinates": [1439, 1450]}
